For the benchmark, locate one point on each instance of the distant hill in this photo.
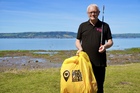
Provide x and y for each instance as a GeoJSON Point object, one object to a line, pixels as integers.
{"type": "Point", "coordinates": [39, 35]}
{"type": "Point", "coordinates": [58, 34]}
{"type": "Point", "coordinates": [127, 35]}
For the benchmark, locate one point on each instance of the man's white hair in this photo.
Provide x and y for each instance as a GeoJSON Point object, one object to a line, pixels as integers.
{"type": "Point", "coordinates": [94, 5]}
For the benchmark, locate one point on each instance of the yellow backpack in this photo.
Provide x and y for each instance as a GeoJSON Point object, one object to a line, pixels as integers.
{"type": "Point", "coordinates": [77, 75]}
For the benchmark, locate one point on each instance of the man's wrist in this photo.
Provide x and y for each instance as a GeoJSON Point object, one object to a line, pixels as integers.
{"type": "Point", "coordinates": [105, 47]}
{"type": "Point", "coordinates": [80, 49]}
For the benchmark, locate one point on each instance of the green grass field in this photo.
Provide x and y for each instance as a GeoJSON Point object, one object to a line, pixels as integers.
{"type": "Point", "coordinates": [123, 79]}
{"type": "Point", "coordinates": [119, 79]}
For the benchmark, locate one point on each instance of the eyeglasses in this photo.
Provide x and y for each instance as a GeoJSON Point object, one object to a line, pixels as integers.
{"type": "Point", "coordinates": [93, 12]}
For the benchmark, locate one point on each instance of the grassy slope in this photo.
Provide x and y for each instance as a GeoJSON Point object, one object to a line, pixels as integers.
{"type": "Point", "coordinates": [119, 79]}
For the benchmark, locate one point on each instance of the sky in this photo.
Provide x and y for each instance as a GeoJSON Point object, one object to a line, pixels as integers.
{"type": "Point", "coordinates": [123, 16]}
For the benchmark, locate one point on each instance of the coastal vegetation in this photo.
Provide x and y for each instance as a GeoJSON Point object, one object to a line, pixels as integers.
{"type": "Point", "coordinates": [58, 34]}
{"type": "Point", "coordinates": [122, 76]}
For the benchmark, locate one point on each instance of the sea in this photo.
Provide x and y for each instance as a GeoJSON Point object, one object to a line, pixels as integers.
{"type": "Point", "coordinates": [60, 44]}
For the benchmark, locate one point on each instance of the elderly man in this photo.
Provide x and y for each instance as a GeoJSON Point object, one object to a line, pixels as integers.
{"type": "Point", "coordinates": [89, 40]}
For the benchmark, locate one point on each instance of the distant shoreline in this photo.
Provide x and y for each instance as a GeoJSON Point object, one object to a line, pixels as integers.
{"type": "Point", "coordinates": [59, 34]}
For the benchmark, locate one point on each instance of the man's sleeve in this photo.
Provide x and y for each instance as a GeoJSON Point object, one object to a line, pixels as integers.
{"type": "Point", "coordinates": [79, 33]}
{"type": "Point", "coordinates": [108, 34]}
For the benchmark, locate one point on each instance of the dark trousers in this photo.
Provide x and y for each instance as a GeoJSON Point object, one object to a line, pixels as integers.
{"type": "Point", "coordinates": [99, 73]}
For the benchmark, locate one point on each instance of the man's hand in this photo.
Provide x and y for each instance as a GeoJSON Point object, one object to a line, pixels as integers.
{"type": "Point", "coordinates": [102, 49]}
{"type": "Point", "coordinates": [77, 53]}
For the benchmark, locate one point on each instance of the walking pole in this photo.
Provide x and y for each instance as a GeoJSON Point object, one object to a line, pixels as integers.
{"type": "Point", "coordinates": [102, 25]}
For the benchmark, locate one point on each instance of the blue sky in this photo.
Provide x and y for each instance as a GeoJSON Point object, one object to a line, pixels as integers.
{"type": "Point", "coordinates": [123, 16]}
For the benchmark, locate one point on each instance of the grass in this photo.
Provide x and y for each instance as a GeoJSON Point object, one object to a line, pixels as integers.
{"type": "Point", "coordinates": [119, 79]}
{"type": "Point", "coordinates": [123, 78]}
{"type": "Point", "coordinates": [126, 51]}
{"type": "Point", "coordinates": [36, 81]}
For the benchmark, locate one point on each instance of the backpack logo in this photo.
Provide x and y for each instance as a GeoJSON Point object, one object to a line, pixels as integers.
{"type": "Point", "coordinates": [76, 76]}
{"type": "Point", "coordinates": [66, 75]}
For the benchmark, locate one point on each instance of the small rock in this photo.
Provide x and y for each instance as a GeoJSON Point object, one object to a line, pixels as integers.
{"type": "Point", "coordinates": [36, 61]}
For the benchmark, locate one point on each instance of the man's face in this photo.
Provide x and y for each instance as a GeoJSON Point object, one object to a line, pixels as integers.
{"type": "Point", "coordinates": [93, 13]}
